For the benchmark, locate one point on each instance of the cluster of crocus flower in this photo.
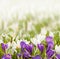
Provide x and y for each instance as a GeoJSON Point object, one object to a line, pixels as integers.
{"type": "Point", "coordinates": [4, 47]}
{"type": "Point", "coordinates": [27, 50]}
{"type": "Point", "coordinates": [46, 51]}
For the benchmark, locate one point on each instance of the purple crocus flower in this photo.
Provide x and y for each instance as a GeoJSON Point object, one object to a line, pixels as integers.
{"type": "Point", "coordinates": [26, 50]}
{"type": "Point", "coordinates": [37, 57]}
{"type": "Point", "coordinates": [29, 48]}
{"type": "Point", "coordinates": [4, 46]}
{"type": "Point", "coordinates": [50, 44]}
{"type": "Point", "coordinates": [23, 45]}
{"type": "Point", "coordinates": [26, 54]}
{"type": "Point", "coordinates": [50, 41]}
{"type": "Point", "coordinates": [6, 56]}
{"type": "Point", "coordinates": [40, 47]}
{"type": "Point", "coordinates": [19, 55]}
{"type": "Point", "coordinates": [50, 53]}
{"type": "Point", "coordinates": [58, 56]}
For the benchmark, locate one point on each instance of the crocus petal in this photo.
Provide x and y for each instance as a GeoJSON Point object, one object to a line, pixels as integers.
{"type": "Point", "coordinates": [50, 53]}
{"type": "Point", "coordinates": [36, 57]}
{"type": "Point", "coordinates": [40, 47]}
{"type": "Point", "coordinates": [4, 46]}
{"type": "Point", "coordinates": [23, 45]}
{"type": "Point", "coordinates": [51, 44]}
{"type": "Point", "coordinates": [58, 56]}
{"type": "Point", "coordinates": [26, 54]}
{"type": "Point", "coordinates": [19, 55]}
{"type": "Point", "coordinates": [7, 56]}
{"type": "Point", "coordinates": [29, 48]}
{"type": "Point", "coordinates": [57, 49]}
{"type": "Point", "coordinates": [49, 39]}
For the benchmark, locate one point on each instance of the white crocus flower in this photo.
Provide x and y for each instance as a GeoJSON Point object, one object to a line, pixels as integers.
{"type": "Point", "coordinates": [57, 49]}
{"type": "Point", "coordinates": [41, 37]}
{"type": "Point", "coordinates": [9, 44]}
{"type": "Point", "coordinates": [35, 41]}
{"type": "Point", "coordinates": [12, 46]}
{"type": "Point", "coordinates": [1, 41]}
{"type": "Point", "coordinates": [51, 34]}
{"type": "Point", "coordinates": [14, 26]}
{"type": "Point", "coordinates": [38, 39]}
{"type": "Point", "coordinates": [29, 26]}
{"type": "Point", "coordinates": [18, 44]}
{"type": "Point", "coordinates": [43, 31]}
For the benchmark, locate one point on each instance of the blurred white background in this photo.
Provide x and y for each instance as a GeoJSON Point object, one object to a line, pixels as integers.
{"type": "Point", "coordinates": [9, 8]}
